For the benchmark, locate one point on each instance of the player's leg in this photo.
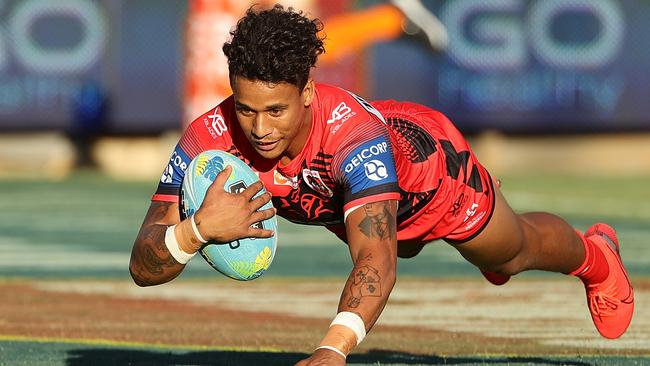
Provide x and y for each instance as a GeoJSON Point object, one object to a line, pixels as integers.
{"type": "Point", "coordinates": [511, 243]}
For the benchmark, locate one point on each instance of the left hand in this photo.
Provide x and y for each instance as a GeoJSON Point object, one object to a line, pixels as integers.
{"type": "Point", "coordinates": [323, 357]}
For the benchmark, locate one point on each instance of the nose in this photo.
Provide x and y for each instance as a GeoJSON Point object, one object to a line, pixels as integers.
{"type": "Point", "coordinates": [261, 127]}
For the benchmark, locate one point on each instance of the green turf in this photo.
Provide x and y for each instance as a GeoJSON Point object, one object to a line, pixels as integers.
{"type": "Point", "coordinates": [85, 227]}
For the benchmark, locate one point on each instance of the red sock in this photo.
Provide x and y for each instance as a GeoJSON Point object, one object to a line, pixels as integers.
{"type": "Point", "coordinates": [595, 268]}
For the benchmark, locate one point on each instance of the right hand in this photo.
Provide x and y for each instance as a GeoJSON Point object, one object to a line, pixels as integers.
{"type": "Point", "coordinates": [323, 357]}
{"type": "Point", "coordinates": [224, 217]}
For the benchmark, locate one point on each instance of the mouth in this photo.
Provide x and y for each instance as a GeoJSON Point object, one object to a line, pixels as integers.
{"type": "Point", "coordinates": [265, 145]}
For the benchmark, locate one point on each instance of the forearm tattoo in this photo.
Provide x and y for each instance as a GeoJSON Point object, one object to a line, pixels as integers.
{"type": "Point", "coordinates": [379, 222]}
{"type": "Point", "coordinates": [364, 282]}
{"type": "Point", "coordinates": [154, 258]}
{"type": "Point", "coordinates": [153, 252]}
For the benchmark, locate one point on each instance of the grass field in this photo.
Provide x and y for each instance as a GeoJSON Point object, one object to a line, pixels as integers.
{"type": "Point", "coordinates": [68, 300]}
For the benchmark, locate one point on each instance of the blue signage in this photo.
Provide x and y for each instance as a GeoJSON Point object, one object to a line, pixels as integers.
{"type": "Point", "coordinates": [518, 66]}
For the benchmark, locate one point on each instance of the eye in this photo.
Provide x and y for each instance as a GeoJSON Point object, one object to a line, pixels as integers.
{"type": "Point", "coordinates": [245, 112]}
{"type": "Point", "coordinates": [275, 112]}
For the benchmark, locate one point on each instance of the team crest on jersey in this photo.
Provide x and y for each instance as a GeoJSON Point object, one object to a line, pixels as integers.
{"type": "Point", "coordinates": [315, 182]}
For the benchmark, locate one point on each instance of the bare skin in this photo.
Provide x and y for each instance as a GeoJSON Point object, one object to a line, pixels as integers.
{"type": "Point", "coordinates": [512, 243]}
{"type": "Point", "coordinates": [151, 262]}
{"type": "Point", "coordinates": [372, 240]}
{"type": "Point", "coordinates": [509, 244]}
{"type": "Point", "coordinates": [276, 118]}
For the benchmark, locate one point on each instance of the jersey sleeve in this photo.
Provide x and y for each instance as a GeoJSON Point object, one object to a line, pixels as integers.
{"type": "Point", "coordinates": [209, 131]}
{"type": "Point", "coordinates": [364, 165]}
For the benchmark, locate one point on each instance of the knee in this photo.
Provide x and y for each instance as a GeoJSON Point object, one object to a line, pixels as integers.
{"type": "Point", "coordinates": [511, 267]}
{"type": "Point", "coordinates": [517, 259]}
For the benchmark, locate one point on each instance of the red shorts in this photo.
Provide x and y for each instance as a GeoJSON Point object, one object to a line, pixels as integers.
{"type": "Point", "coordinates": [470, 213]}
{"type": "Point", "coordinates": [464, 192]}
{"type": "Point", "coordinates": [457, 214]}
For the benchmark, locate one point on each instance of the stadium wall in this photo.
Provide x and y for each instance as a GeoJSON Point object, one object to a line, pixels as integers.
{"type": "Point", "coordinates": [52, 156]}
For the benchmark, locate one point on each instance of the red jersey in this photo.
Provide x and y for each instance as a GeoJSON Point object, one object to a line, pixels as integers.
{"type": "Point", "coordinates": [353, 156]}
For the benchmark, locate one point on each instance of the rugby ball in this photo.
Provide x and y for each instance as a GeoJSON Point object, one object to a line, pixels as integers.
{"type": "Point", "coordinates": [243, 259]}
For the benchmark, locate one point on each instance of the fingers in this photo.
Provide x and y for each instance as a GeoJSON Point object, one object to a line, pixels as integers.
{"type": "Point", "coordinates": [262, 215]}
{"type": "Point", "coordinates": [260, 233]}
{"type": "Point", "coordinates": [252, 190]}
{"type": "Point", "coordinates": [259, 201]}
{"type": "Point", "coordinates": [222, 177]}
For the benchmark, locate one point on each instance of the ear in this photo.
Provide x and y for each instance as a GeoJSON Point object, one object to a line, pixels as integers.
{"type": "Point", "coordinates": [308, 93]}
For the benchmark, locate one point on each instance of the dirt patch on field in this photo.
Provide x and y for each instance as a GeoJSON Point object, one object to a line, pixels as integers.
{"type": "Point", "coordinates": [443, 317]}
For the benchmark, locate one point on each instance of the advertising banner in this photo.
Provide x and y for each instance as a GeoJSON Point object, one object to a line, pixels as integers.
{"type": "Point", "coordinates": [529, 66]}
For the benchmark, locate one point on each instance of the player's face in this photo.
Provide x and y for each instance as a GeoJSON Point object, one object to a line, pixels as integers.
{"type": "Point", "coordinates": [275, 117]}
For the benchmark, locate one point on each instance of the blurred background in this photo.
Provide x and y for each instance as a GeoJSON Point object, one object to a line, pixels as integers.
{"type": "Point", "coordinates": [554, 96]}
{"type": "Point", "coordinates": [106, 83]}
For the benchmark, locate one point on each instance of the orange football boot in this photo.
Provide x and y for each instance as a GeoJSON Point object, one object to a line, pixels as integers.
{"type": "Point", "coordinates": [611, 302]}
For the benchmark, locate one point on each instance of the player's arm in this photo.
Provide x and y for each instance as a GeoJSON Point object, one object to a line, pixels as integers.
{"type": "Point", "coordinates": [165, 243]}
{"type": "Point", "coordinates": [151, 261]}
{"type": "Point", "coordinates": [372, 239]}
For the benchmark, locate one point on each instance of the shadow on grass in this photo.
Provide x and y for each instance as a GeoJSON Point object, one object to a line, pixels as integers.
{"type": "Point", "coordinates": [117, 356]}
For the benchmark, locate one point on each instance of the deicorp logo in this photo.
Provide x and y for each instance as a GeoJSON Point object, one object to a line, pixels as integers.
{"type": "Point", "coordinates": [375, 170]}
{"type": "Point", "coordinates": [370, 164]}
{"type": "Point", "coordinates": [365, 154]}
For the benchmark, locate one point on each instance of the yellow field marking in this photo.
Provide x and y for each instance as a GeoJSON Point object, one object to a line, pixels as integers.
{"type": "Point", "coordinates": [113, 343]}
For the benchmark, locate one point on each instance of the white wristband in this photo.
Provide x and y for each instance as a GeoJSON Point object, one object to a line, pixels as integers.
{"type": "Point", "coordinates": [175, 249]}
{"type": "Point", "coordinates": [334, 349]}
{"type": "Point", "coordinates": [352, 321]}
{"type": "Point", "coordinates": [196, 231]}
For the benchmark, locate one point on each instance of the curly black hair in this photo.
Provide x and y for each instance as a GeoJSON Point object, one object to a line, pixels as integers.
{"type": "Point", "coordinates": [274, 45]}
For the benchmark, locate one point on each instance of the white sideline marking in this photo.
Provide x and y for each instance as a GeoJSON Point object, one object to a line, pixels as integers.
{"type": "Point", "coordinates": [16, 253]}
